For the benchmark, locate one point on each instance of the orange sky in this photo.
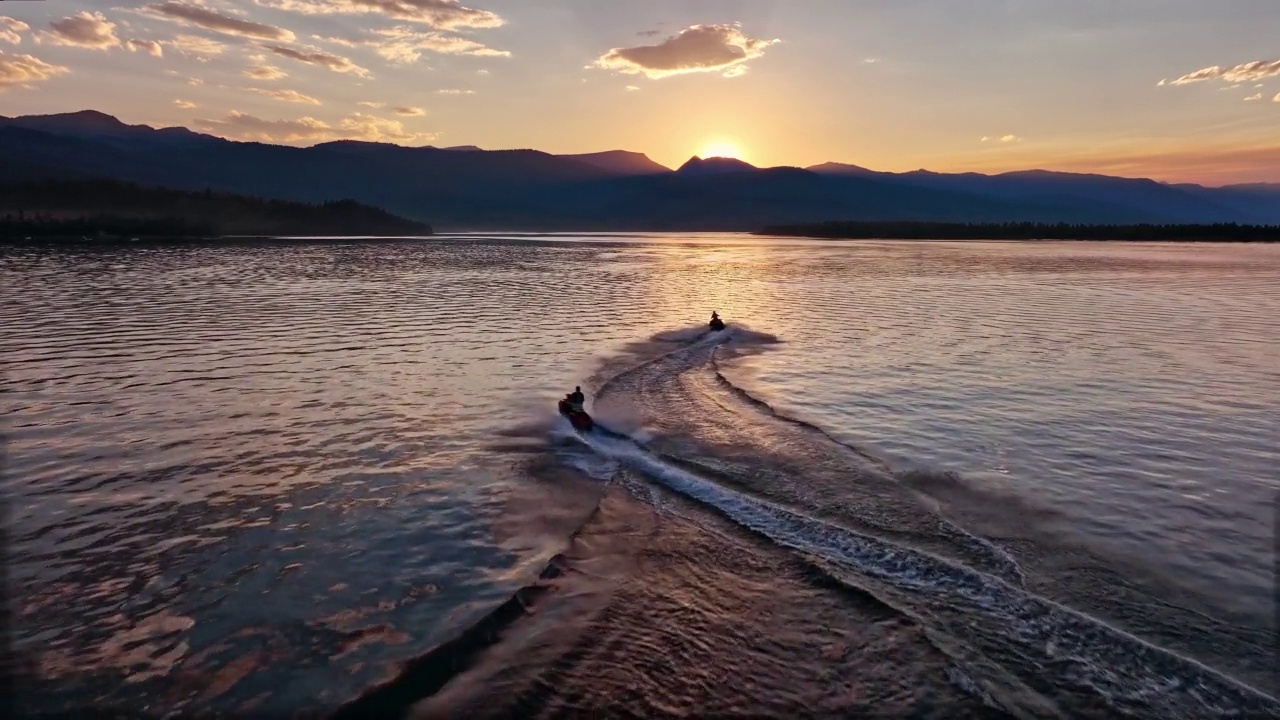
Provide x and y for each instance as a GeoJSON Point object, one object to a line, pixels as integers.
{"type": "Point", "coordinates": [1189, 93]}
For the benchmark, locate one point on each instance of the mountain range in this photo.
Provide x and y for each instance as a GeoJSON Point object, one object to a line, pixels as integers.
{"type": "Point", "coordinates": [466, 188]}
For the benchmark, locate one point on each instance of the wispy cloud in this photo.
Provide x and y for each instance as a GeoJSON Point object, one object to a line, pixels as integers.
{"type": "Point", "coordinates": [410, 111]}
{"type": "Point", "coordinates": [1002, 138]}
{"type": "Point", "coordinates": [1276, 98]}
{"type": "Point", "coordinates": [292, 96]}
{"type": "Point", "coordinates": [85, 30]}
{"type": "Point", "coordinates": [438, 14]}
{"type": "Point", "coordinates": [632, 88]}
{"type": "Point", "coordinates": [196, 45]}
{"type": "Point", "coordinates": [1251, 98]}
{"type": "Point", "coordinates": [455, 91]}
{"type": "Point", "coordinates": [371, 104]}
{"type": "Point", "coordinates": [185, 104]}
{"type": "Point", "coordinates": [242, 125]}
{"type": "Point", "coordinates": [405, 45]}
{"type": "Point", "coordinates": [24, 70]}
{"type": "Point", "coordinates": [151, 47]}
{"type": "Point", "coordinates": [357, 126]}
{"type": "Point", "coordinates": [10, 29]}
{"type": "Point", "coordinates": [315, 56]}
{"type": "Point", "coordinates": [1243, 73]}
{"type": "Point", "coordinates": [187, 13]}
{"type": "Point", "coordinates": [265, 72]}
{"type": "Point", "coordinates": [700, 48]}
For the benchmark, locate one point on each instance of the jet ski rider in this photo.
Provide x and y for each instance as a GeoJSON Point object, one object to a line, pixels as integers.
{"type": "Point", "coordinates": [576, 399]}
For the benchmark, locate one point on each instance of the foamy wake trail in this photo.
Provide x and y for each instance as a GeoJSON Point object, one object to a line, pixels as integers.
{"type": "Point", "coordinates": [1060, 645]}
{"type": "Point", "coordinates": [974, 542]}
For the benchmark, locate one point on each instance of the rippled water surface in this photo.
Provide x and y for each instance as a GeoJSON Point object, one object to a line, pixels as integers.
{"type": "Point", "coordinates": [950, 479]}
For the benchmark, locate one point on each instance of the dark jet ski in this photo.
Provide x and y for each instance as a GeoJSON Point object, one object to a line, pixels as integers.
{"type": "Point", "coordinates": [716, 323]}
{"type": "Point", "coordinates": [578, 417]}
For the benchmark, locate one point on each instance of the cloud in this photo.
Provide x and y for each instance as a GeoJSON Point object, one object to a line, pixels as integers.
{"type": "Point", "coordinates": [292, 96]}
{"type": "Point", "coordinates": [1276, 98]}
{"type": "Point", "coordinates": [1002, 138]}
{"type": "Point", "coordinates": [985, 138]}
{"type": "Point", "coordinates": [1245, 72]}
{"type": "Point", "coordinates": [871, 61]}
{"type": "Point", "coordinates": [1253, 97]}
{"type": "Point", "coordinates": [453, 91]}
{"type": "Point", "coordinates": [242, 125]}
{"type": "Point", "coordinates": [409, 111]}
{"type": "Point", "coordinates": [402, 45]}
{"type": "Point", "coordinates": [196, 45]}
{"type": "Point", "coordinates": [9, 29]}
{"type": "Point", "coordinates": [438, 14]}
{"type": "Point", "coordinates": [265, 72]}
{"type": "Point", "coordinates": [633, 88]}
{"type": "Point", "coordinates": [315, 56]}
{"type": "Point", "coordinates": [360, 126]}
{"type": "Point", "coordinates": [151, 47]}
{"type": "Point", "coordinates": [185, 104]}
{"type": "Point", "coordinates": [84, 30]}
{"type": "Point", "coordinates": [336, 40]}
{"type": "Point", "coordinates": [374, 105]}
{"type": "Point", "coordinates": [22, 70]}
{"type": "Point", "coordinates": [482, 71]}
{"type": "Point", "coordinates": [195, 82]}
{"type": "Point", "coordinates": [357, 126]}
{"type": "Point", "coordinates": [700, 48]}
{"type": "Point", "coordinates": [193, 14]}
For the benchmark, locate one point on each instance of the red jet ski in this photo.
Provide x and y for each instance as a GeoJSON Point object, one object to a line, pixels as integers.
{"type": "Point", "coordinates": [578, 417]}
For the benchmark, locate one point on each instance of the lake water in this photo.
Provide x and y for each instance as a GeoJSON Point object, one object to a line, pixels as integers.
{"type": "Point", "coordinates": [951, 479]}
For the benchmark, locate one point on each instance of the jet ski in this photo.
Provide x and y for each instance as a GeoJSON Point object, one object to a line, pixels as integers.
{"type": "Point", "coordinates": [578, 417]}
{"type": "Point", "coordinates": [716, 324]}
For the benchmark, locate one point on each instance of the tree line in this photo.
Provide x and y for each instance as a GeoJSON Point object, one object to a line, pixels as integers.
{"type": "Point", "coordinates": [871, 230]}
{"type": "Point", "coordinates": [97, 208]}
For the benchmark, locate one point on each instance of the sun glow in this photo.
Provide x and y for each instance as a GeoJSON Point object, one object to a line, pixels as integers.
{"type": "Point", "coordinates": [722, 149]}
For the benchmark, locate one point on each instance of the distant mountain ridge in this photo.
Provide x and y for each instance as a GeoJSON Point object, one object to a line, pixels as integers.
{"type": "Point", "coordinates": [696, 166]}
{"type": "Point", "coordinates": [465, 187]}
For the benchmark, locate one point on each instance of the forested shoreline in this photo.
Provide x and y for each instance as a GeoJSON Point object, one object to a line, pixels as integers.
{"type": "Point", "coordinates": [871, 230]}
{"type": "Point", "coordinates": [107, 209]}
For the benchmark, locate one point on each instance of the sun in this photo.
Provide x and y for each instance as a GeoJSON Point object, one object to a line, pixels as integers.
{"type": "Point", "coordinates": [722, 149]}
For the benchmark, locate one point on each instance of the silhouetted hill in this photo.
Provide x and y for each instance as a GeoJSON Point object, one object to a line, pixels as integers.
{"type": "Point", "coordinates": [88, 207]}
{"type": "Point", "coordinates": [714, 166]}
{"type": "Point", "coordinates": [620, 162]}
{"type": "Point", "coordinates": [1131, 200]}
{"type": "Point", "coordinates": [526, 189]}
{"type": "Point", "coordinates": [92, 124]}
{"type": "Point", "coordinates": [835, 168]}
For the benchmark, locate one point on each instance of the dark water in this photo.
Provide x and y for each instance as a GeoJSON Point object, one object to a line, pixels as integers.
{"type": "Point", "coordinates": [912, 479]}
